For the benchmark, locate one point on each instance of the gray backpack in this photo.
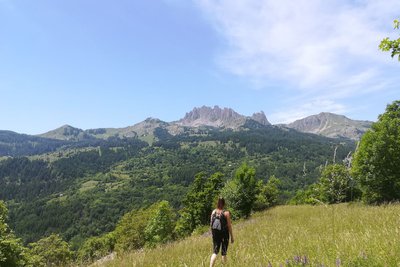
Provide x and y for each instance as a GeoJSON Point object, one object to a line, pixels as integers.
{"type": "Point", "coordinates": [218, 221]}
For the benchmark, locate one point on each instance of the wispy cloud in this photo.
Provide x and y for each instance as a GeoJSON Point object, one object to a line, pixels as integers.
{"type": "Point", "coordinates": [312, 107]}
{"type": "Point", "coordinates": [326, 50]}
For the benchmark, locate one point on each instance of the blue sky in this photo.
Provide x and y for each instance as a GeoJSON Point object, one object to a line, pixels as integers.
{"type": "Point", "coordinates": [95, 64]}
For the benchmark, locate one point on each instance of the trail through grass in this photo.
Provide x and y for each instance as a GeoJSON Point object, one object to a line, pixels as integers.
{"type": "Point", "coordinates": [337, 235]}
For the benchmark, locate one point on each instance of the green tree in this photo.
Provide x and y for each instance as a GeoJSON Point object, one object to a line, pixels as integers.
{"type": "Point", "coordinates": [268, 195]}
{"type": "Point", "coordinates": [241, 191]}
{"type": "Point", "coordinates": [96, 247]}
{"type": "Point", "coordinates": [12, 253]}
{"type": "Point", "coordinates": [198, 203]}
{"type": "Point", "coordinates": [310, 196]}
{"type": "Point", "coordinates": [50, 251]}
{"type": "Point", "coordinates": [149, 226]}
{"type": "Point", "coordinates": [335, 184]}
{"type": "Point", "coordinates": [160, 228]}
{"type": "Point", "coordinates": [392, 46]}
{"type": "Point", "coordinates": [377, 160]}
{"type": "Point", "coordinates": [129, 232]}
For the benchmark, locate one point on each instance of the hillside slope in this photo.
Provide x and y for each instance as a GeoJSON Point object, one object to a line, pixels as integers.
{"type": "Point", "coordinates": [331, 125]}
{"type": "Point", "coordinates": [337, 235]}
{"type": "Point", "coordinates": [82, 192]}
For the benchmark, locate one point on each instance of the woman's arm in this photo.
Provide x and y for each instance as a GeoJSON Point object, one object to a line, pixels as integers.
{"type": "Point", "coordinates": [228, 220]}
{"type": "Point", "coordinates": [211, 218]}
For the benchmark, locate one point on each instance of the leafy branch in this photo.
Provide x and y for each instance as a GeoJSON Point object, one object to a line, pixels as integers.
{"type": "Point", "coordinates": [392, 45]}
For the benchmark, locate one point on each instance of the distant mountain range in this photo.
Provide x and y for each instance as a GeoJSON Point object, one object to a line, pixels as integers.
{"type": "Point", "coordinates": [326, 124]}
{"type": "Point", "coordinates": [195, 121]}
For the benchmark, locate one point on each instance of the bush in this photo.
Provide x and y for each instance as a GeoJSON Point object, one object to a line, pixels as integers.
{"type": "Point", "coordinates": [160, 228]}
{"type": "Point", "coordinates": [50, 251]}
{"type": "Point", "coordinates": [310, 196]}
{"type": "Point", "coordinates": [12, 253]}
{"type": "Point", "coordinates": [129, 232]}
{"type": "Point", "coordinates": [336, 185]}
{"type": "Point", "coordinates": [95, 248]}
{"type": "Point", "coordinates": [269, 194]}
{"type": "Point", "coordinates": [150, 226]}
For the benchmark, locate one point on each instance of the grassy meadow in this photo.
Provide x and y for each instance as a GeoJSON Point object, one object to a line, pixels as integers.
{"type": "Point", "coordinates": [336, 235]}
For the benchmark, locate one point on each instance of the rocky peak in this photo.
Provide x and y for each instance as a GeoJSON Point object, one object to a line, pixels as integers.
{"type": "Point", "coordinates": [208, 114]}
{"type": "Point", "coordinates": [260, 118]}
{"type": "Point", "coordinates": [219, 117]}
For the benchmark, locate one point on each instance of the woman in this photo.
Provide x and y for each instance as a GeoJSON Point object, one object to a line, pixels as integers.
{"type": "Point", "coordinates": [221, 229]}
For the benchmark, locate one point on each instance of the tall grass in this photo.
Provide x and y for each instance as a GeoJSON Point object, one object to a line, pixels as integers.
{"type": "Point", "coordinates": [337, 235]}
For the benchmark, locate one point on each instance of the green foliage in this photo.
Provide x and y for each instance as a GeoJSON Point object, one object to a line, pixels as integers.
{"type": "Point", "coordinates": [150, 226]}
{"type": "Point", "coordinates": [268, 194]}
{"type": "Point", "coordinates": [50, 251]}
{"type": "Point", "coordinates": [310, 196]}
{"type": "Point", "coordinates": [336, 184]}
{"type": "Point", "coordinates": [392, 46]}
{"type": "Point", "coordinates": [377, 160]}
{"type": "Point", "coordinates": [160, 228]}
{"type": "Point", "coordinates": [198, 203]}
{"type": "Point", "coordinates": [129, 233]}
{"type": "Point", "coordinates": [12, 253]}
{"type": "Point", "coordinates": [240, 193]}
{"type": "Point", "coordinates": [96, 247]}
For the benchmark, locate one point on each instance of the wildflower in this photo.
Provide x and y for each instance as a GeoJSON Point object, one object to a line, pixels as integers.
{"type": "Point", "coordinates": [363, 255]}
{"type": "Point", "coordinates": [297, 259]}
{"type": "Point", "coordinates": [305, 260]}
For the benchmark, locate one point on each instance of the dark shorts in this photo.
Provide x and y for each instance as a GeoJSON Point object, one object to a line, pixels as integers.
{"type": "Point", "coordinates": [220, 238]}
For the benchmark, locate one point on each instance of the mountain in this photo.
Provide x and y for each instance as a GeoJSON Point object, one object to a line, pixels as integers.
{"type": "Point", "coordinates": [220, 118]}
{"type": "Point", "coordinates": [331, 125]}
{"type": "Point", "coordinates": [140, 129]}
{"type": "Point", "coordinates": [66, 132]}
{"type": "Point", "coordinates": [15, 144]}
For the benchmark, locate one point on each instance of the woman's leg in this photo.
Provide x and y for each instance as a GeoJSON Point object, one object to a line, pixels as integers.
{"type": "Point", "coordinates": [224, 259]}
{"type": "Point", "coordinates": [213, 259]}
{"type": "Point", "coordinates": [225, 243]}
{"type": "Point", "coordinates": [217, 241]}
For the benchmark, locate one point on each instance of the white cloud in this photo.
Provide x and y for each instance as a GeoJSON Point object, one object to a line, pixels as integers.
{"type": "Point", "coordinates": [326, 50]}
{"type": "Point", "coordinates": [303, 110]}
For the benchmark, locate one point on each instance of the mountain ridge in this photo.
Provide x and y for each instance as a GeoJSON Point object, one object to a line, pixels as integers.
{"type": "Point", "coordinates": [325, 124]}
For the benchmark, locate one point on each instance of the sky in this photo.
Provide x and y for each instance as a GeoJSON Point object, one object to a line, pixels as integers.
{"type": "Point", "coordinates": [96, 63]}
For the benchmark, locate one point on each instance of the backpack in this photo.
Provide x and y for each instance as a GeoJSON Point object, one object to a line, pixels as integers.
{"type": "Point", "coordinates": [218, 221]}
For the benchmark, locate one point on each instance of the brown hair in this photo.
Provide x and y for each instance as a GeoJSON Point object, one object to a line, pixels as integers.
{"type": "Point", "coordinates": [221, 203]}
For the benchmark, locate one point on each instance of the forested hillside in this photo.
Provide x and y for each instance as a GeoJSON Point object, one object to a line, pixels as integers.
{"type": "Point", "coordinates": [82, 189]}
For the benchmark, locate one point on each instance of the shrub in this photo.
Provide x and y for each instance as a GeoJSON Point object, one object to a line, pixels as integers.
{"type": "Point", "coordinates": [96, 247]}
{"type": "Point", "coordinates": [50, 251]}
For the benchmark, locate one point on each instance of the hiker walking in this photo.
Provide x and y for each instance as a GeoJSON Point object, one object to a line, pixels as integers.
{"type": "Point", "coordinates": [221, 229]}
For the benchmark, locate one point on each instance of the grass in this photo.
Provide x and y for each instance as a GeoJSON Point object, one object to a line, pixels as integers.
{"type": "Point", "coordinates": [88, 185]}
{"type": "Point", "coordinates": [337, 235]}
